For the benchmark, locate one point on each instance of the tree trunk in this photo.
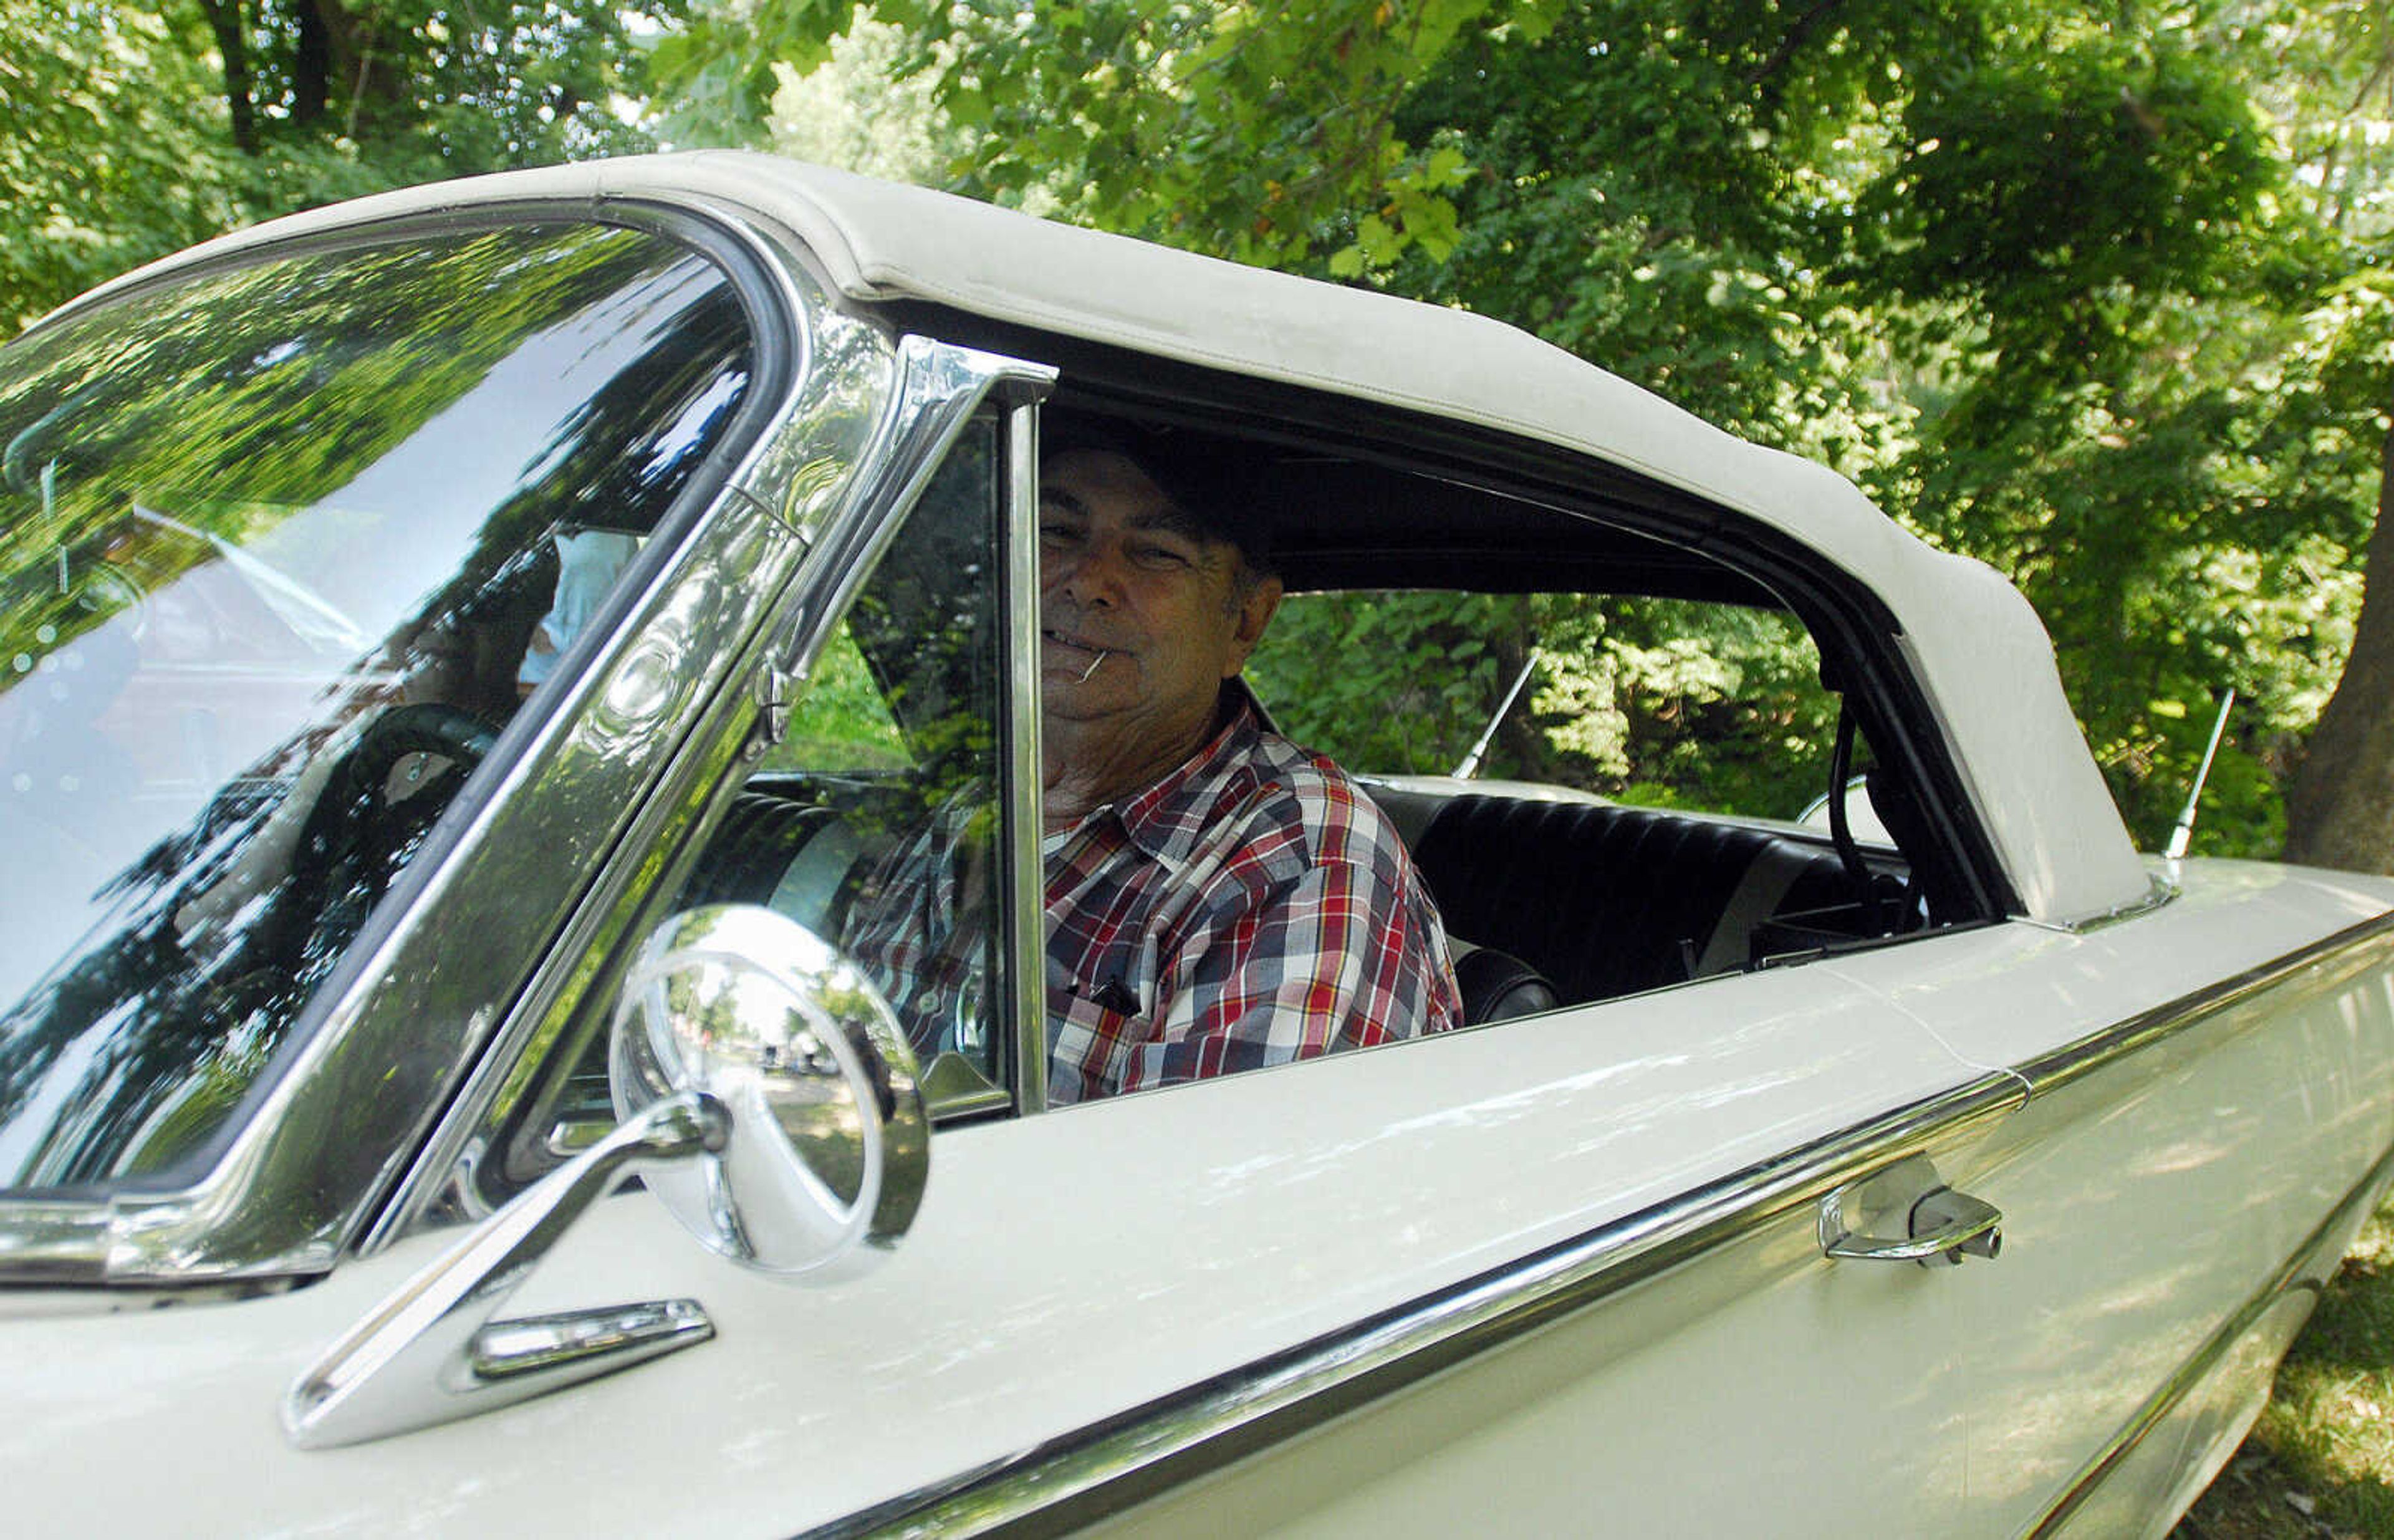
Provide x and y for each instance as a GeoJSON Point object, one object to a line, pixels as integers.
{"type": "Point", "coordinates": [311, 68]}
{"type": "Point", "coordinates": [224, 20]}
{"type": "Point", "coordinates": [345, 55]}
{"type": "Point", "coordinates": [2341, 807]}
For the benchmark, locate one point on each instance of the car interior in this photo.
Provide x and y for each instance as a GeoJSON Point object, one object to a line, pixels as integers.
{"type": "Point", "coordinates": [1558, 896]}
{"type": "Point", "coordinates": [1552, 895]}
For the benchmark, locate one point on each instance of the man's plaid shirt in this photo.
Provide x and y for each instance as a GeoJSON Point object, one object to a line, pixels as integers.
{"type": "Point", "coordinates": [1251, 908]}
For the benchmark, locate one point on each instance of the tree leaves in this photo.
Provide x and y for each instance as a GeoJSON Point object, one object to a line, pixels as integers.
{"type": "Point", "coordinates": [119, 143]}
{"type": "Point", "coordinates": [104, 167]}
{"type": "Point", "coordinates": [1259, 132]}
{"type": "Point", "coordinates": [2101, 295]}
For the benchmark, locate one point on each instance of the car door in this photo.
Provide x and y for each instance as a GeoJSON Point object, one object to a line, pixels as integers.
{"type": "Point", "coordinates": [1576, 1253]}
{"type": "Point", "coordinates": [1095, 1301]}
{"type": "Point", "coordinates": [2210, 1111]}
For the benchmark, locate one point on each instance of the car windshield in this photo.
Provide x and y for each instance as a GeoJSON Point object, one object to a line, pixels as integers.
{"type": "Point", "coordinates": [282, 546]}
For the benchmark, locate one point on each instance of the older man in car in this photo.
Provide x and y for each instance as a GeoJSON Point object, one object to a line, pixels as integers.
{"type": "Point", "coordinates": [1218, 899]}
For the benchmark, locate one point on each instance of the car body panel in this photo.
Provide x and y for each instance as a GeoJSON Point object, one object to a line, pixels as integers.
{"type": "Point", "coordinates": [1396, 1175]}
{"type": "Point", "coordinates": [983, 1349]}
{"type": "Point", "coordinates": [2152, 1199]}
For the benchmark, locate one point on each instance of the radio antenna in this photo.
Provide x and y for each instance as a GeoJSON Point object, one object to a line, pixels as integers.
{"type": "Point", "coordinates": [1470, 766]}
{"type": "Point", "coordinates": [2180, 835]}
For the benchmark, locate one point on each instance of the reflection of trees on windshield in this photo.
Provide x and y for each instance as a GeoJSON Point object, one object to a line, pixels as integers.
{"type": "Point", "coordinates": [621, 456]}
{"type": "Point", "coordinates": [923, 923]}
{"type": "Point", "coordinates": [181, 925]}
{"type": "Point", "coordinates": [927, 625]}
{"type": "Point", "coordinates": [241, 395]}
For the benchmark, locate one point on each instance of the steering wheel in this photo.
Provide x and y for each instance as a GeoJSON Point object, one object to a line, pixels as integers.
{"type": "Point", "coordinates": [358, 834]}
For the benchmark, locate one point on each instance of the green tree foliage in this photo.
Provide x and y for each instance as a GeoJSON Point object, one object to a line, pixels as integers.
{"type": "Point", "coordinates": [103, 162]}
{"type": "Point", "coordinates": [1650, 700]}
{"type": "Point", "coordinates": [2099, 294]}
{"type": "Point", "coordinates": [2334, 392]}
{"type": "Point", "coordinates": [131, 131]}
{"type": "Point", "coordinates": [2089, 292]}
{"type": "Point", "coordinates": [2014, 272]}
{"type": "Point", "coordinates": [1396, 682]}
{"type": "Point", "coordinates": [863, 110]}
{"type": "Point", "coordinates": [1239, 129]}
{"type": "Point", "coordinates": [425, 88]}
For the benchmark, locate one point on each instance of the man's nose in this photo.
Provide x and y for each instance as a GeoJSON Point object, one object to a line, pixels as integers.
{"type": "Point", "coordinates": [1091, 575]}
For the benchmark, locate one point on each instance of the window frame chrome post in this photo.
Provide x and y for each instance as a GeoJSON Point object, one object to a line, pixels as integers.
{"type": "Point", "coordinates": [1025, 907]}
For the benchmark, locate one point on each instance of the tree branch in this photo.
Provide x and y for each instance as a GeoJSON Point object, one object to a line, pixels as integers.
{"type": "Point", "coordinates": [1795, 38]}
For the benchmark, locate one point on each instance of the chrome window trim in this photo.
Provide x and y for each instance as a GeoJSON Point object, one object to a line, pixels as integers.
{"type": "Point", "coordinates": [296, 1181]}
{"type": "Point", "coordinates": [1147, 1451]}
{"type": "Point", "coordinates": [941, 387]}
{"type": "Point", "coordinates": [1025, 995]}
{"type": "Point", "coordinates": [928, 394]}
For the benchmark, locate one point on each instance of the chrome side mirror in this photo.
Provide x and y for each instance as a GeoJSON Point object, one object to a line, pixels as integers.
{"type": "Point", "coordinates": [830, 1142]}
{"type": "Point", "coordinates": [767, 1097]}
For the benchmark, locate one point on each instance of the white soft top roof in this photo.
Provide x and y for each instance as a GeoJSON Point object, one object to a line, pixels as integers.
{"type": "Point", "coordinates": [1984, 662]}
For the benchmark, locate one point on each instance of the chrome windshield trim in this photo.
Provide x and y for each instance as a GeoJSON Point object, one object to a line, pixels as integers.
{"type": "Point", "coordinates": [298, 1180]}
{"type": "Point", "coordinates": [2307, 1269]}
{"type": "Point", "coordinates": [52, 1242]}
{"type": "Point", "coordinates": [1141, 1452]}
{"type": "Point", "coordinates": [844, 465]}
{"type": "Point", "coordinates": [748, 549]}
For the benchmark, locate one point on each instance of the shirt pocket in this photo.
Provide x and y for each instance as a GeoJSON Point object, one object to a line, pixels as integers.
{"type": "Point", "coordinates": [1091, 1045]}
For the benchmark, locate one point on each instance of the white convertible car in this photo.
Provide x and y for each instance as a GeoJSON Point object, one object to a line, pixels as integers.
{"type": "Point", "coordinates": [466, 651]}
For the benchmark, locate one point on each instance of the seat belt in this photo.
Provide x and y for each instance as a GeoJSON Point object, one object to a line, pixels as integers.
{"type": "Point", "coordinates": [1756, 900]}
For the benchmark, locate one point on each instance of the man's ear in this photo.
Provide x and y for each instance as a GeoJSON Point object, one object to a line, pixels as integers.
{"type": "Point", "coordinates": [1255, 609]}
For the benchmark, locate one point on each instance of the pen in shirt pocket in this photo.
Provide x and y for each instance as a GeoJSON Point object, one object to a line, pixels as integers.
{"type": "Point", "coordinates": [1112, 996]}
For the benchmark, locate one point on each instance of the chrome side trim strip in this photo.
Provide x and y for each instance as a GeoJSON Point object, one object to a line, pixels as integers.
{"type": "Point", "coordinates": [2289, 1278]}
{"type": "Point", "coordinates": [2353, 950]}
{"type": "Point", "coordinates": [1150, 1449]}
{"type": "Point", "coordinates": [2159, 892]}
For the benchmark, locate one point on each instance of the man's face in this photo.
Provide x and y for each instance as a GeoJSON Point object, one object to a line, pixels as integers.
{"type": "Point", "coordinates": [1142, 618]}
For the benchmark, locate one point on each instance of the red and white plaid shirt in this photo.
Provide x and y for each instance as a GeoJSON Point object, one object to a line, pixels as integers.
{"type": "Point", "coordinates": [1251, 908]}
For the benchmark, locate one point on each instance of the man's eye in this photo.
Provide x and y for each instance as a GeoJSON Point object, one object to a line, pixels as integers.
{"type": "Point", "coordinates": [1162, 557]}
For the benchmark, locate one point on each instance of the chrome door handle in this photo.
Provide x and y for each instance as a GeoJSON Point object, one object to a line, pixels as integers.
{"type": "Point", "coordinates": [1939, 1223]}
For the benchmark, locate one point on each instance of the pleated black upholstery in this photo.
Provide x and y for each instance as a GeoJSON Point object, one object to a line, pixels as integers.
{"type": "Point", "coordinates": [1603, 901]}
